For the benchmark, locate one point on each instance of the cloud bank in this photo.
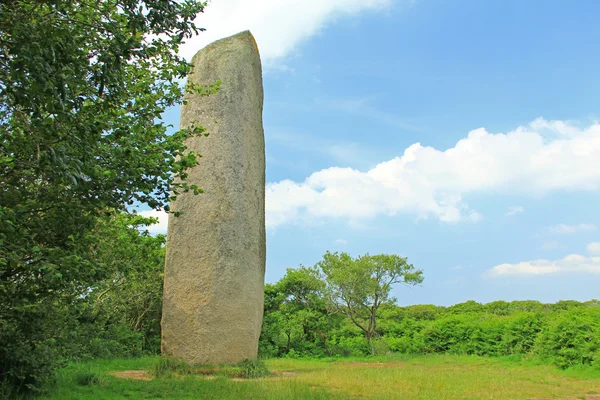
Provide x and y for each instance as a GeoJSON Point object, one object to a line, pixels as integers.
{"type": "Point", "coordinates": [278, 26]}
{"type": "Point", "coordinates": [541, 157]}
{"type": "Point", "coordinates": [594, 248]}
{"type": "Point", "coordinates": [571, 263]}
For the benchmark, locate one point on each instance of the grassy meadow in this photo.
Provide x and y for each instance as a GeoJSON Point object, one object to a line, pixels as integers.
{"type": "Point", "coordinates": [386, 377]}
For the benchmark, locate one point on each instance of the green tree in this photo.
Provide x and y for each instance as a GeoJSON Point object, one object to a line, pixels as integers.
{"type": "Point", "coordinates": [130, 298]}
{"type": "Point", "coordinates": [296, 318]}
{"type": "Point", "coordinates": [424, 312]}
{"type": "Point", "coordinates": [469, 306]}
{"type": "Point", "coordinates": [357, 287]}
{"type": "Point", "coordinates": [82, 87]}
{"type": "Point", "coordinates": [118, 316]}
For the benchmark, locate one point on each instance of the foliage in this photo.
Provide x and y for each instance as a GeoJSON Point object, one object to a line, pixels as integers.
{"type": "Point", "coordinates": [572, 338]}
{"type": "Point", "coordinates": [296, 318]}
{"type": "Point", "coordinates": [521, 332]}
{"type": "Point", "coordinates": [166, 366]}
{"type": "Point", "coordinates": [88, 378]}
{"type": "Point", "coordinates": [252, 369]}
{"type": "Point", "coordinates": [129, 299]}
{"type": "Point", "coordinates": [82, 88]}
{"type": "Point", "coordinates": [565, 334]}
{"type": "Point", "coordinates": [357, 287]}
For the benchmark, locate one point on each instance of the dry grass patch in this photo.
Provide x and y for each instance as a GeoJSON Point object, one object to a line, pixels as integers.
{"type": "Point", "coordinates": [138, 375]}
{"type": "Point", "coordinates": [443, 377]}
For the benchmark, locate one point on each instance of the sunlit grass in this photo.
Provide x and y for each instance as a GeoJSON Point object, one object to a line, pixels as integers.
{"type": "Point", "coordinates": [396, 377]}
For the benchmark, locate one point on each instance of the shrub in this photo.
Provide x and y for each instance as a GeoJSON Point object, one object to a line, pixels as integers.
{"type": "Point", "coordinates": [424, 312]}
{"type": "Point", "coordinates": [26, 366]}
{"type": "Point", "coordinates": [450, 334]}
{"type": "Point", "coordinates": [469, 333]}
{"type": "Point", "coordinates": [166, 366]}
{"type": "Point", "coordinates": [486, 336]}
{"type": "Point", "coordinates": [252, 369]}
{"type": "Point", "coordinates": [293, 354]}
{"type": "Point", "coordinates": [522, 332]}
{"type": "Point", "coordinates": [89, 378]}
{"type": "Point", "coordinates": [380, 346]}
{"type": "Point", "coordinates": [571, 339]}
{"type": "Point", "coordinates": [406, 344]}
{"type": "Point", "coordinates": [351, 346]}
{"type": "Point", "coordinates": [6, 391]}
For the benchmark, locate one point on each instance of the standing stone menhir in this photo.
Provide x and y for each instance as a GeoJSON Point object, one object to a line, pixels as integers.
{"type": "Point", "coordinates": [215, 261]}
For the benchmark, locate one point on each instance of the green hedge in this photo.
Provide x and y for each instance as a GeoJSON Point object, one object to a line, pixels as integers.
{"type": "Point", "coordinates": [564, 334]}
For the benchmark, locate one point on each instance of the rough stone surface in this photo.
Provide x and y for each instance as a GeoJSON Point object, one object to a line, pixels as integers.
{"type": "Point", "coordinates": [215, 260]}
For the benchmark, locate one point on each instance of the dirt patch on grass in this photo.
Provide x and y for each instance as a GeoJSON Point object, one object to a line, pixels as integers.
{"type": "Point", "coordinates": [138, 375]}
{"type": "Point", "coordinates": [141, 375]}
{"type": "Point", "coordinates": [286, 374]}
{"type": "Point", "coordinates": [282, 374]}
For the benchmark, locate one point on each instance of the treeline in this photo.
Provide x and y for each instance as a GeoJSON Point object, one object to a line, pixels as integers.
{"type": "Point", "coordinates": [116, 314]}
{"type": "Point", "coordinates": [121, 318]}
{"type": "Point", "coordinates": [298, 322]}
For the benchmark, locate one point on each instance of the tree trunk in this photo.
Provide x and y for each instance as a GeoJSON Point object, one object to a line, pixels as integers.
{"type": "Point", "coordinates": [369, 337]}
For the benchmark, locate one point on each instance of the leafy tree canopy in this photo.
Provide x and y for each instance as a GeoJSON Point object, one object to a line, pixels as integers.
{"type": "Point", "coordinates": [357, 287]}
{"type": "Point", "coordinates": [83, 85]}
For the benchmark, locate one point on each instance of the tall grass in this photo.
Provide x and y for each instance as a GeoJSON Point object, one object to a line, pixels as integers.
{"type": "Point", "coordinates": [385, 377]}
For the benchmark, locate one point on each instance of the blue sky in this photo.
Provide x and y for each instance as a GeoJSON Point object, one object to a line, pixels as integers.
{"type": "Point", "coordinates": [462, 135]}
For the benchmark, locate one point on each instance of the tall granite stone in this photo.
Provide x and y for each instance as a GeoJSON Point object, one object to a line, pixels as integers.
{"type": "Point", "coordinates": [215, 255]}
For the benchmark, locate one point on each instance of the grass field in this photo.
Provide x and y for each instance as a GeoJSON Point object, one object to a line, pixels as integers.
{"type": "Point", "coordinates": [418, 377]}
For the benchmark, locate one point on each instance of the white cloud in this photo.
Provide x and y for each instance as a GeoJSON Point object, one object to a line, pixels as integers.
{"type": "Point", "coordinates": [163, 221]}
{"type": "Point", "coordinates": [594, 248]}
{"type": "Point", "coordinates": [278, 26]}
{"type": "Point", "coordinates": [341, 241]}
{"type": "Point", "coordinates": [555, 128]}
{"type": "Point", "coordinates": [427, 182]}
{"type": "Point", "coordinates": [514, 211]}
{"type": "Point", "coordinates": [564, 229]}
{"type": "Point", "coordinates": [571, 263]}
